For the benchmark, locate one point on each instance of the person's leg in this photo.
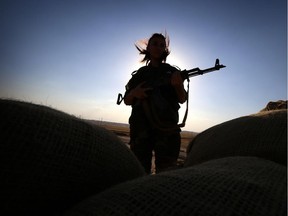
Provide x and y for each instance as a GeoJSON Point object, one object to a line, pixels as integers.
{"type": "Point", "coordinates": [167, 150]}
{"type": "Point", "coordinates": [142, 147]}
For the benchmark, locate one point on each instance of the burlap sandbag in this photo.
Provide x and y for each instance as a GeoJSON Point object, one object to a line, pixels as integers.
{"type": "Point", "coordinates": [227, 186]}
{"type": "Point", "coordinates": [51, 160]}
{"type": "Point", "coordinates": [263, 134]}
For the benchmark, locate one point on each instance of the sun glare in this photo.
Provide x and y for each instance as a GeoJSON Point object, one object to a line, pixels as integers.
{"type": "Point", "coordinates": [177, 58]}
{"type": "Point", "coordinates": [175, 61]}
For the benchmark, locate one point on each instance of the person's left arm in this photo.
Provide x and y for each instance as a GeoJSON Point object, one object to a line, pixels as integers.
{"type": "Point", "coordinates": [177, 83]}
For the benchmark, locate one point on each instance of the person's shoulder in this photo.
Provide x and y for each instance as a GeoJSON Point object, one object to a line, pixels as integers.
{"type": "Point", "coordinates": [140, 70]}
{"type": "Point", "coordinates": [143, 68]}
{"type": "Point", "coordinates": [170, 67]}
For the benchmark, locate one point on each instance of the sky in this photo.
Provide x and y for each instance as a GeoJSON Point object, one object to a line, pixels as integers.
{"type": "Point", "coordinates": [77, 55]}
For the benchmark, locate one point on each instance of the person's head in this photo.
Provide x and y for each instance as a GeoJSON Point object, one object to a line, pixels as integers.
{"type": "Point", "coordinates": [156, 49]}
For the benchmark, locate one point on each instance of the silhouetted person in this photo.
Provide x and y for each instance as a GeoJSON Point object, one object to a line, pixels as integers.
{"type": "Point", "coordinates": [155, 104]}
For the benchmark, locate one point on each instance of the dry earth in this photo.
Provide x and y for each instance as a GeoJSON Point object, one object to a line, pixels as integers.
{"type": "Point", "coordinates": [122, 131]}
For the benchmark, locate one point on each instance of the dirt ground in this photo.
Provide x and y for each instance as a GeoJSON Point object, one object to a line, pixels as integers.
{"type": "Point", "coordinates": [122, 131]}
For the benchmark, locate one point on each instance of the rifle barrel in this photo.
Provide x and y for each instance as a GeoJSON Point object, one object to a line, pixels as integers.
{"type": "Point", "coordinates": [197, 71]}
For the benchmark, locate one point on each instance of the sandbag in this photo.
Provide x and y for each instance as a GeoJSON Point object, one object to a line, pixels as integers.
{"type": "Point", "coordinates": [227, 186]}
{"type": "Point", "coordinates": [263, 134]}
{"type": "Point", "coordinates": [50, 160]}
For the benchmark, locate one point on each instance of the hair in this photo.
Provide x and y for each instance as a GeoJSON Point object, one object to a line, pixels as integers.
{"type": "Point", "coordinates": [145, 52]}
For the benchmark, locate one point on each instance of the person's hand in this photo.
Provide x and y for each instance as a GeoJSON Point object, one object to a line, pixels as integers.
{"type": "Point", "coordinates": [176, 79]}
{"type": "Point", "coordinates": [177, 83]}
{"type": "Point", "coordinates": [140, 91]}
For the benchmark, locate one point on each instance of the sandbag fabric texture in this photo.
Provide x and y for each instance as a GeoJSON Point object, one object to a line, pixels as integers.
{"type": "Point", "coordinates": [55, 164]}
{"type": "Point", "coordinates": [50, 160]}
{"type": "Point", "coordinates": [263, 134]}
{"type": "Point", "coordinates": [223, 187]}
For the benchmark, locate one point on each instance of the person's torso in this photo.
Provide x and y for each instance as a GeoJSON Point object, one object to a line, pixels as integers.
{"type": "Point", "coordinates": [162, 102]}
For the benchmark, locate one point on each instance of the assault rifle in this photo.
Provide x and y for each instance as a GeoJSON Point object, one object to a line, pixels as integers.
{"type": "Point", "coordinates": [186, 74]}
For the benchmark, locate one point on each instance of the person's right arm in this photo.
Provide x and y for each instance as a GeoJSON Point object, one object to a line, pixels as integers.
{"type": "Point", "coordinates": [137, 93]}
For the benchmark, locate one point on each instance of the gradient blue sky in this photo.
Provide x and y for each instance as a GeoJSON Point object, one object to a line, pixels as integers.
{"type": "Point", "coordinates": [77, 55]}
